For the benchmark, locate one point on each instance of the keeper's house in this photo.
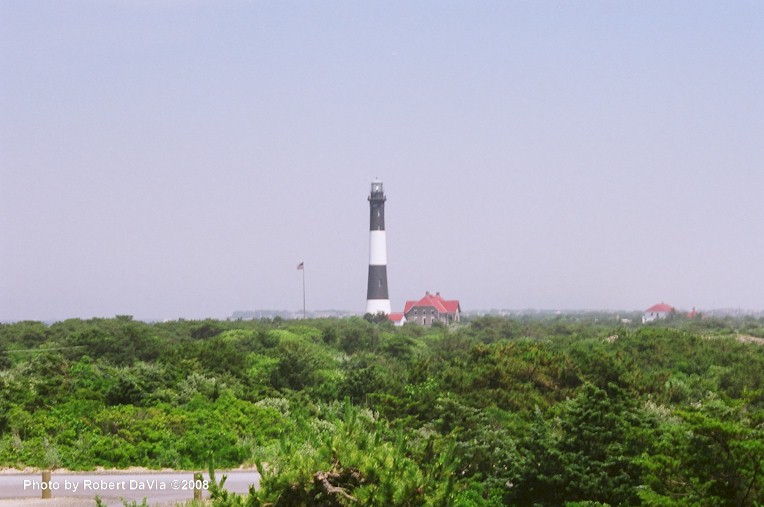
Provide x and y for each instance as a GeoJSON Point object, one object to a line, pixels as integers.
{"type": "Point", "coordinates": [432, 308]}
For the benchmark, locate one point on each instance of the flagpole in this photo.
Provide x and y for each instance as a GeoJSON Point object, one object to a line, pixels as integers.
{"type": "Point", "coordinates": [303, 292]}
{"type": "Point", "coordinates": [301, 267]}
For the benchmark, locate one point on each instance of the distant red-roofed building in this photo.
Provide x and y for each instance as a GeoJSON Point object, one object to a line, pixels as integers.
{"type": "Point", "coordinates": [397, 318]}
{"type": "Point", "coordinates": [659, 311]}
{"type": "Point", "coordinates": [432, 308]}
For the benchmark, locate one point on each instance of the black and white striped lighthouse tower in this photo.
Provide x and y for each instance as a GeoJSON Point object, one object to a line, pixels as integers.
{"type": "Point", "coordinates": [377, 298]}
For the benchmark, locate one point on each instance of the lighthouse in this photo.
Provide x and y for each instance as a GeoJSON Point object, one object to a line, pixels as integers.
{"type": "Point", "coordinates": [377, 298]}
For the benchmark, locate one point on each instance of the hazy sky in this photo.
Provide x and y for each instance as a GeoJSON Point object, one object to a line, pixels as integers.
{"type": "Point", "coordinates": [171, 159]}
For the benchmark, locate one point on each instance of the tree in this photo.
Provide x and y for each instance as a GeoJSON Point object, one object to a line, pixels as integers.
{"type": "Point", "coordinates": [350, 458]}
{"type": "Point", "coordinates": [592, 455]}
{"type": "Point", "coordinates": [5, 361]}
{"type": "Point", "coordinates": [600, 445]}
{"type": "Point", "coordinates": [711, 454]}
{"type": "Point", "coordinates": [299, 362]}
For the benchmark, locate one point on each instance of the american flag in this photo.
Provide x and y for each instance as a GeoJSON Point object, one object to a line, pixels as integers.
{"type": "Point", "coordinates": [301, 265]}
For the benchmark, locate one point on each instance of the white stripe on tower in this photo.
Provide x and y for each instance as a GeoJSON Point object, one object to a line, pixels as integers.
{"type": "Point", "coordinates": [377, 248]}
{"type": "Point", "coordinates": [377, 298]}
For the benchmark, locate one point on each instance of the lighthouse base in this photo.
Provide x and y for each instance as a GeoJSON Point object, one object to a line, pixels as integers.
{"type": "Point", "coordinates": [374, 306]}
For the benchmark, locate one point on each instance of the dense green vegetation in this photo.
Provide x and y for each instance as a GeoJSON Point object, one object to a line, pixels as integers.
{"type": "Point", "coordinates": [555, 411]}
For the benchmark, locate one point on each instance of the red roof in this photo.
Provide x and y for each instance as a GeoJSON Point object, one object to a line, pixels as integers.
{"type": "Point", "coordinates": [435, 301]}
{"type": "Point", "coordinates": [663, 307]}
{"type": "Point", "coordinates": [395, 317]}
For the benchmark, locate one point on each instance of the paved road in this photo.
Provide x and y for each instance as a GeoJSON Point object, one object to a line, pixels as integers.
{"type": "Point", "coordinates": [80, 489]}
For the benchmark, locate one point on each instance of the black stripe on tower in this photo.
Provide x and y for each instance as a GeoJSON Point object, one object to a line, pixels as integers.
{"type": "Point", "coordinates": [377, 207]}
{"type": "Point", "coordinates": [377, 283]}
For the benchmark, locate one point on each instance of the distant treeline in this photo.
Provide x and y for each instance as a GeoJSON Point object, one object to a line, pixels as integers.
{"type": "Point", "coordinates": [558, 410]}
